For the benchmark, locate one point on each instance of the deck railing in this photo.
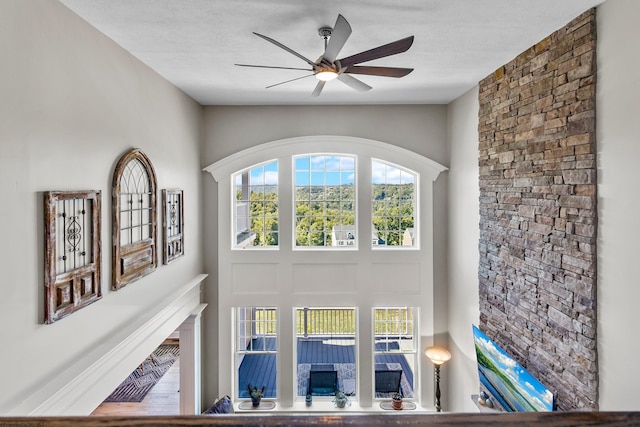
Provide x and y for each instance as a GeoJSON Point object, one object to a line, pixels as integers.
{"type": "Point", "coordinates": [325, 321]}
{"type": "Point", "coordinates": [393, 322]}
{"type": "Point", "coordinates": [265, 321]}
{"type": "Point", "coordinates": [335, 321]}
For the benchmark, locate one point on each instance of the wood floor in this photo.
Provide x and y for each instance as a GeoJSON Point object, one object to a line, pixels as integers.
{"type": "Point", "coordinates": [162, 399]}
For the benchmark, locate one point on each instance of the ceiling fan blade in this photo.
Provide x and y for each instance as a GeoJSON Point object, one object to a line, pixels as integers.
{"type": "Point", "coordinates": [354, 83]}
{"type": "Point", "coordinates": [393, 48]}
{"type": "Point", "coordinates": [318, 89]}
{"type": "Point", "coordinates": [339, 35]}
{"type": "Point", "coordinates": [270, 66]}
{"type": "Point", "coordinates": [280, 45]}
{"type": "Point", "coordinates": [379, 71]}
{"type": "Point", "coordinates": [287, 81]}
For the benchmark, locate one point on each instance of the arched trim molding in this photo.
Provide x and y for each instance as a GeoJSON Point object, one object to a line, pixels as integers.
{"type": "Point", "coordinates": [325, 143]}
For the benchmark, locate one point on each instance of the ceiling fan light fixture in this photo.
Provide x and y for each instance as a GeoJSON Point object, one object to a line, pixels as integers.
{"type": "Point", "coordinates": [326, 75]}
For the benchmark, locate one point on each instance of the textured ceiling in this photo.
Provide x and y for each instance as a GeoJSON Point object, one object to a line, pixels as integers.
{"type": "Point", "coordinates": [195, 43]}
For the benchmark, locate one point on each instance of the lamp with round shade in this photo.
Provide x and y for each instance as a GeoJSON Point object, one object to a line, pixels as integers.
{"type": "Point", "coordinates": [438, 356]}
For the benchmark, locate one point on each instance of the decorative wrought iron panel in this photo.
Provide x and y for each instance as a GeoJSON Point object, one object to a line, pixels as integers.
{"type": "Point", "coordinates": [72, 251]}
{"type": "Point", "coordinates": [134, 219]}
{"type": "Point", "coordinates": [173, 224]}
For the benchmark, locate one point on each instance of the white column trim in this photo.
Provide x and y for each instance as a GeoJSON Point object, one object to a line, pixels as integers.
{"type": "Point", "coordinates": [190, 363]}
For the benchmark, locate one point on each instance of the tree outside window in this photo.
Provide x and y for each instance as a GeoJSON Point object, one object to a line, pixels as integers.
{"type": "Point", "coordinates": [393, 205]}
{"type": "Point", "coordinates": [256, 206]}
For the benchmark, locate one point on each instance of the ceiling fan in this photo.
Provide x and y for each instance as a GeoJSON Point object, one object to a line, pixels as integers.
{"type": "Point", "coordinates": [327, 67]}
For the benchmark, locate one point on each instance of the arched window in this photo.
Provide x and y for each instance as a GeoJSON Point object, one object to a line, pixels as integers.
{"type": "Point", "coordinates": [134, 219]}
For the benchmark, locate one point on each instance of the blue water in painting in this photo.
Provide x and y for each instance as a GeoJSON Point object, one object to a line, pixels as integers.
{"type": "Point", "coordinates": [525, 393]}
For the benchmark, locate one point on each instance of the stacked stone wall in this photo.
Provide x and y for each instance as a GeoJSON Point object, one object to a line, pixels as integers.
{"type": "Point", "coordinates": [538, 219]}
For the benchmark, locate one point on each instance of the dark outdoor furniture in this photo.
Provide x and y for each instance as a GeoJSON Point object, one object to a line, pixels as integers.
{"type": "Point", "coordinates": [323, 383]}
{"type": "Point", "coordinates": [388, 381]}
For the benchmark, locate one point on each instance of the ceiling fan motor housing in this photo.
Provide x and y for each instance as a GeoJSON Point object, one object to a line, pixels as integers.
{"type": "Point", "coordinates": [325, 32]}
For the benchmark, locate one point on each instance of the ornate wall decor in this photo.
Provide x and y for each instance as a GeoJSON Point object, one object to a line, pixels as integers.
{"type": "Point", "coordinates": [134, 219]}
{"type": "Point", "coordinates": [173, 225]}
{"type": "Point", "coordinates": [72, 259]}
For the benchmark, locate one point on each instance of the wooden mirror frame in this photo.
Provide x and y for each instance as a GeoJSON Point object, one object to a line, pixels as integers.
{"type": "Point", "coordinates": [173, 225]}
{"type": "Point", "coordinates": [137, 257]}
{"type": "Point", "coordinates": [74, 234]}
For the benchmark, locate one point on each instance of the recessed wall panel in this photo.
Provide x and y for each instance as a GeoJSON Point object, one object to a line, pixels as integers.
{"type": "Point", "coordinates": [254, 279]}
{"type": "Point", "coordinates": [324, 279]}
{"type": "Point", "coordinates": [396, 277]}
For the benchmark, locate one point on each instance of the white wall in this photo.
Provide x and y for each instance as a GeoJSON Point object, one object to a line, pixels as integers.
{"type": "Point", "coordinates": [72, 103]}
{"type": "Point", "coordinates": [231, 129]}
{"type": "Point", "coordinates": [463, 237]}
{"type": "Point", "coordinates": [618, 141]}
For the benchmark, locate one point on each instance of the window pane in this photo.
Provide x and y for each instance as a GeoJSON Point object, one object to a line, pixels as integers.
{"type": "Point", "coordinates": [302, 238]}
{"type": "Point", "coordinates": [393, 205]}
{"type": "Point", "coordinates": [326, 350]}
{"type": "Point", "coordinates": [271, 239]}
{"type": "Point", "coordinates": [395, 351]}
{"type": "Point", "coordinates": [332, 163]}
{"type": "Point", "coordinates": [271, 209]}
{"type": "Point", "coordinates": [347, 208]}
{"type": "Point", "coordinates": [347, 163]}
{"type": "Point", "coordinates": [257, 224]}
{"type": "Point", "coordinates": [316, 239]}
{"type": "Point", "coordinates": [302, 164]}
{"type": "Point", "coordinates": [271, 192]}
{"type": "Point", "coordinates": [302, 178]}
{"type": "Point", "coordinates": [317, 163]}
{"type": "Point", "coordinates": [331, 190]}
{"type": "Point", "coordinates": [317, 178]}
{"type": "Point", "coordinates": [332, 178]}
{"type": "Point", "coordinates": [257, 192]}
{"type": "Point", "coordinates": [256, 350]}
{"type": "Point", "coordinates": [256, 206]}
{"type": "Point", "coordinates": [347, 178]}
{"type": "Point", "coordinates": [302, 223]}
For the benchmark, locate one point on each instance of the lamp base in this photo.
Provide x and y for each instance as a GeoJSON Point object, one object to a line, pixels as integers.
{"type": "Point", "coordinates": [438, 407]}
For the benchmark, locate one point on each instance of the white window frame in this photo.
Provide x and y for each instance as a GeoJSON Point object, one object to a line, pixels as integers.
{"type": "Point", "coordinates": [406, 352]}
{"type": "Point", "coordinates": [416, 214]}
{"type": "Point", "coordinates": [235, 204]}
{"type": "Point", "coordinates": [356, 311]}
{"type": "Point", "coordinates": [239, 353]}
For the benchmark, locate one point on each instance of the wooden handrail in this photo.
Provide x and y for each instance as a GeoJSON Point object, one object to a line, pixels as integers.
{"type": "Point", "coordinates": [555, 419]}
